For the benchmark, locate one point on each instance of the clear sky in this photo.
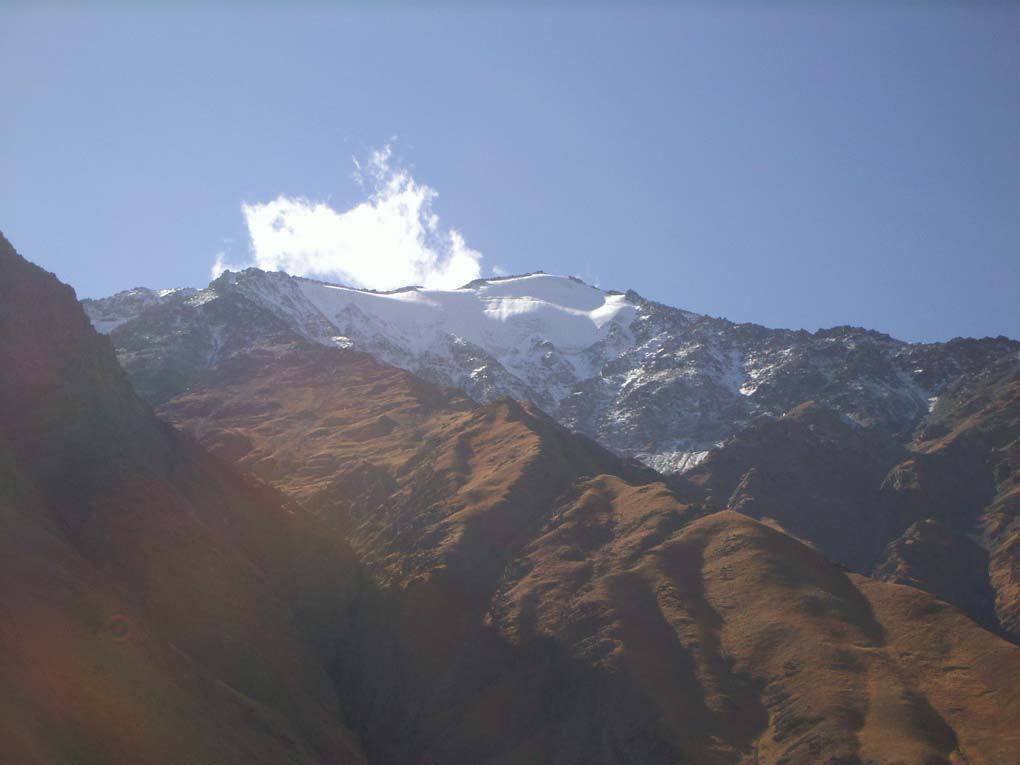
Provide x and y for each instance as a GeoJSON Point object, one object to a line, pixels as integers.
{"type": "Point", "coordinates": [796, 165]}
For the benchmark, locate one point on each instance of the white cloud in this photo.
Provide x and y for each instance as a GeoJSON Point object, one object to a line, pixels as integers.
{"type": "Point", "coordinates": [393, 239]}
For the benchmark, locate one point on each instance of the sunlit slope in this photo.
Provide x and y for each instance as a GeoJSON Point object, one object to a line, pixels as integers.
{"type": "Point", "coordinates": [549, 602]}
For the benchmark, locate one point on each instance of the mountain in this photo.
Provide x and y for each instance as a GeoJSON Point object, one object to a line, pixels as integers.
{"type": "Point", "coordinates": [814, 472]}
{"type": "Point", "coordinates": [939, 512]}
{"type": "Point", "coordinates": [962, 477]}
{"type": "Point", "coordinates": [551, 602]}
{"type": "Point", "coordinates": [823, 433]}
{"type": "Point", "coordinates": [157, 607]}
{"type": "Point", "coordinates": [643, 379]}
{"type": "Point", "coordinates": [429, 577]}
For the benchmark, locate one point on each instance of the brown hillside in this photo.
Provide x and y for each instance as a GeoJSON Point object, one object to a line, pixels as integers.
{"type": "Point", "coordinates": [940, 513]}
{"type": "Point", "coordinates": [157, 607]}
{"type": "Point", "coordinates": [548, 602]}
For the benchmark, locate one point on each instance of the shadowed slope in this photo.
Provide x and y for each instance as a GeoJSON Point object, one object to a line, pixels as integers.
{"type": "Point", "coordinates": [940, 513]}
{"type": "Point", "coordinates": [814, 472]}
{"type": "Point", "coordinates": [156, 606]}
{"type": "Point", "coordinates": [965, 474]}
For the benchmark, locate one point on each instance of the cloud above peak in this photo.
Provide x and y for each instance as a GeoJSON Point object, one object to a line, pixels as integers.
{"type": "Point", "coordinates": [390, 240]}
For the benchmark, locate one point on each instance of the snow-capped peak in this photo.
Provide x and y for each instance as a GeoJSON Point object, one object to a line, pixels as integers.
{"type": "Point", "coordinates": [106, 314]}
{"type": "Point", "coordinates": [502, 314]}
{"type": "Point", "coordinates": [645, 379]}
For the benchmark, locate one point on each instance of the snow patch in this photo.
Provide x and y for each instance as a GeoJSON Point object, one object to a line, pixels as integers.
{"type": "Point", "coordinates": [673, 462]}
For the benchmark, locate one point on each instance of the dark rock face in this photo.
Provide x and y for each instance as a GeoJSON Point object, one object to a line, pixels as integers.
{"type": "Point", "coordinates": [171, 343]}
{"type": "Point", "coordinates": [815, 473]}
{"type": "Point", "coordinates": [939, 512]}
{"type": "Point", "coordinates": [157, 607]}
{"type": "Point", "coordinates": [951, 566]}
{"type": "Point", "coordinates": [965, 473]}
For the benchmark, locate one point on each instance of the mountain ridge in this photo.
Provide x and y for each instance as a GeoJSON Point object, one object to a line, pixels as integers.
{"type": "Point", "coordinates": [540, 599]}
{"type": "Point", "coordinates": [648, 380]}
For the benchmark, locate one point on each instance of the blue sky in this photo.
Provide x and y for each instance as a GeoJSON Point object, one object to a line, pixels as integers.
{"type": "Point", "coordinates": [794, 165]}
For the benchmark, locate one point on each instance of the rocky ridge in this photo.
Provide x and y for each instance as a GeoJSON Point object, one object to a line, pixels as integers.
{"type": "Point", "coordinates": [644, 379]}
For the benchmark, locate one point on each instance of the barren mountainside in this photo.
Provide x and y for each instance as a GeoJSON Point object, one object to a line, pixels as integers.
{"type": "Point", "coordinates": [157, 607]}
{"type": "Point", "coordinates": [310, 553]}
{"type": "Point", "coordinates": [590, 611]}
{"type": "Point", "coordinates": [939, 512]}
{"type": "Point", "coordinates": [831, 434]}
